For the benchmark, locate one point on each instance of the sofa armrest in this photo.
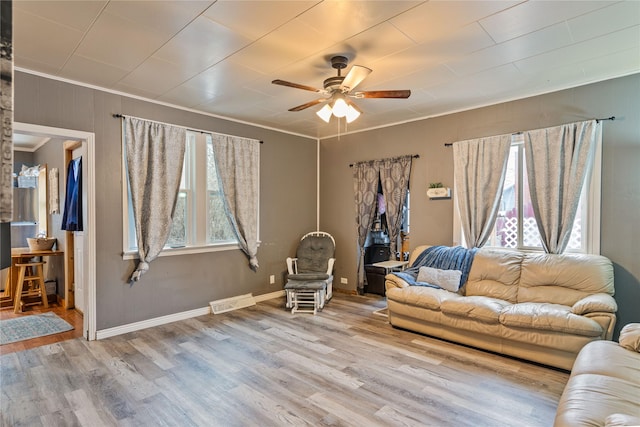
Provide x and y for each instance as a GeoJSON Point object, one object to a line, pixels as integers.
{"type": "Point", "coordinates": [595, 303]}
{"type": "Point", "coordinates": [393, 281]}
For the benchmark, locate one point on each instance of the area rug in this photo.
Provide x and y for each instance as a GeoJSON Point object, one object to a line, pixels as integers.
{"type": "Point", "coordinates": [32, 326]}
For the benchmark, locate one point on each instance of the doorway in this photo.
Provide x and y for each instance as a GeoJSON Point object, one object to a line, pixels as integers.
{"type": "Point", "coordinates": [84, 142]}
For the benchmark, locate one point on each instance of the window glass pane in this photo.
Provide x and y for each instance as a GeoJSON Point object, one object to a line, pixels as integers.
{"type": "Point", "coordinates": [178, 233]}
{"type": "Point", "coordinates": [575, 242]}
{"type": "Point", "coordinates": [505, 233]}
{"type": "Point", "coordinates": [219, 226]}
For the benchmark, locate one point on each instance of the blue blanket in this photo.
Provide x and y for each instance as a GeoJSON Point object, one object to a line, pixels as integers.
{"type": "Point", "coordinates": [443, 258]}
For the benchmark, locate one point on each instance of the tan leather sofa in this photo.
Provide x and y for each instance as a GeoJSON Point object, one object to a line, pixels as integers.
{"type": "Point", "coordinates": [538, 307]}
{"type": "Point", "coordinates": [604, 387]}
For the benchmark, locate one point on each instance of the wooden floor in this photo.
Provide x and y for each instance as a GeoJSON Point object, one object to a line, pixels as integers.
{"type": "Point", "coordinates": [263, 366]}
{"type": "Point", "coordinates": [73, 317]}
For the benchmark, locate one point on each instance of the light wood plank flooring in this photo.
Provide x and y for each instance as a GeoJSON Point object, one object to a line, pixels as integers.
{"type": "Point", "coordinates": [262, 366]}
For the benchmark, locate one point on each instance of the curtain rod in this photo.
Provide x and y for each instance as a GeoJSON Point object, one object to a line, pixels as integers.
{"type": "Point", "coordinates": [612, 118]}
{"type": "Point", "coordinates": [415, 156]}
{"type": "Point", "coordinates": [122, 116]}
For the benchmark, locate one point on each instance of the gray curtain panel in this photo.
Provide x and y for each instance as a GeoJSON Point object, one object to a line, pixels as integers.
{"type": "Point", "coordinates": [479, 168]}
{"type": "Point", "coordinates": [365, 189]}
{"type": "Point", "coordinates": [155, 155]}
{"type": "Point", "coordinates": [558, 160]}
{"type": "Point", "coordinates": [394, 175]}
{"type": "Point", "coordinates": [238, 165]}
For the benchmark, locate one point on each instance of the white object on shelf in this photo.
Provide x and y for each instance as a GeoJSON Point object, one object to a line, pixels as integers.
{"type": "Point", "coordinates": [439, 193]}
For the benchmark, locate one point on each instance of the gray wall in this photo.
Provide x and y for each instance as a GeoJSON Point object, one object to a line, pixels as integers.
{"type": "Point", "coordinates": [52, 154]}
{"type": "Point", "coordinates": [431, 220]}
{"type": "Point", "coordinates": [177, 283]}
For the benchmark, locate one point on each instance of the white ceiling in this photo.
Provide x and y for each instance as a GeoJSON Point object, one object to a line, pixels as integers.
{"type": "Point", "coordinates": [219, 57]}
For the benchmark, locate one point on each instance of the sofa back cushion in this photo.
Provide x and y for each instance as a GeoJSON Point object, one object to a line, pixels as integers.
{"type": "Point", "coordinates": [564, 279]}
{"type": "Point", "coordinates": [495, 273]}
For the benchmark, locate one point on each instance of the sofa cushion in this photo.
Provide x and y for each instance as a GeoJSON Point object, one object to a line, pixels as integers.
{"type": "Point", "coordinates": [619, 420]}
{"type": "Point", "coordinates": [595, 303]}
{"type": "Point", "coordinates": [630, 337]}
{"type": "Point", "coordinates": [552, 317]}
{"type": "Point", "coordinates": [421, 296]}
{"type": "Point", "coordinates": [445, 279]}
{"type": "Point", "coordinates": [484, 309]}
{"type": "Point", "coordinates": [609, 359]}
{"type": "Point", "coordinates": [495, 274]}
{"type": "Point", "coordinates": [564, 279]}
{"type": "Point", "coordinates": [588, 400]}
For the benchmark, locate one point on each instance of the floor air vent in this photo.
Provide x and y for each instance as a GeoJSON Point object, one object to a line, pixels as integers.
{"type": "Point", "coordinates": [233, 303]}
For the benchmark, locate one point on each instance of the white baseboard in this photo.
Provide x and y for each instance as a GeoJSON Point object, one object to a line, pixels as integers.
{"type": "Point", "coordinates": [162, 320]}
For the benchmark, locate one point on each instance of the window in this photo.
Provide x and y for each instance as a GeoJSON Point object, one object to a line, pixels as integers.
{"type": "Point", "coordinates": [516, 226]}
{"type": "Point", "coordinates": [199, 221]}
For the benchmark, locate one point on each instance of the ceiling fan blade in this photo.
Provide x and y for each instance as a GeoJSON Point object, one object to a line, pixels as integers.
{"type": "Point", "coordinates": [309, 104]}
{"type": "Point", "coordinates": [296, 86]}
{"type": "Point", "coordinates": [354, 77]}
{"type": "Point", "coordinates": [383, 94]}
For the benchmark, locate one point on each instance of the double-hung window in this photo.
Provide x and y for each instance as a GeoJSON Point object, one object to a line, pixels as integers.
{"type": "Point", "coordinates": [199, 221]}
{"type": "Point", "coordinates": [516, 226]}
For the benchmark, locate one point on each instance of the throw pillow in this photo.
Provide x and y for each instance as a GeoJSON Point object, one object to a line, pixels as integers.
{"type": "Point", "coordinates": [445, 279]}
{"type": "Point", "coordinates": [630, 337]}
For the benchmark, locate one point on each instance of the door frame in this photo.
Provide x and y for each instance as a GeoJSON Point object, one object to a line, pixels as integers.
{"type": "Point", "coordinates": [89, 316]}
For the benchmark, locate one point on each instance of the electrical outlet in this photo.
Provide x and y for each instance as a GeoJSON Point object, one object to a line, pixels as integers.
{"type": "Point", "coordinates": [272, 279]}
{"type": "Point", "coordinates": [344, 281]}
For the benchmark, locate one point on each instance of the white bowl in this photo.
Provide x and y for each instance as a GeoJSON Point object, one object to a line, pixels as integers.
{"type": "Point", "coordinates": [41, 243]}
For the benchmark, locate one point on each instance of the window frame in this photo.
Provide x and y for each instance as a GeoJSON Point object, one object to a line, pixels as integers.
{"type": "Point", "coordinates": [196, 235]}
{"type": "Point", "coordinates": [591, 205]}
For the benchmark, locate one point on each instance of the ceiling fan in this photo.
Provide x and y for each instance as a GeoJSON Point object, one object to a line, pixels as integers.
{"type": "Point", "coordinates": [338, 89]}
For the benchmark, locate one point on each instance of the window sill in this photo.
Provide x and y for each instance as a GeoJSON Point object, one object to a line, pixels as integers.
{"type": "Point", "coordinates": [187, 250]}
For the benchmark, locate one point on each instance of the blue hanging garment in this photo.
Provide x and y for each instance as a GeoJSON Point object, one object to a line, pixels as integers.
{"type": "Point", "coordinates": [72, 217]}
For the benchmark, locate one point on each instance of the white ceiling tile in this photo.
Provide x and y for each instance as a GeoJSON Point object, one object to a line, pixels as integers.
{"type": "Point", "coordinates": [33, 39]}
{"type": "Point", "coordinates": [74, 14]}
{"type": "Point", "coordinates": [189, 96]}
{"type": "Point", "coordinates": [609, 19]}
{"type": "Point", "coordinates": [289, 43]}
{"type": "Point", "coordinates": [432, 19]}
{"type": "Point", "coordinates": [532, 44]}
{"type": "Point", "coordinates": [530, 16]}
{"type": "Point", "coordinates": [425, 56]}
{"type": "Point", "coordinates": [164, 17]}
{"type": "Point", "coordinates": [156, 76]}
{"type": "Point", "coordinates": [388, 40]}
{"type": "Point", "coordinates": [216, 79]}
{"type": "Point", "coordinates": [620, 40]}
{"type": "Point", "coordinates": [201, 45]}
{"type": "Point", "coordinates": [120, 42]}
{"type": "Point", "coordinates": [89, 71]}
{"type": "Point", "coordinates": [619, 63]}
{"type": "Point", "coordinates": [253, 19]}
{"type": "Point", "coordinates": [339, 20]}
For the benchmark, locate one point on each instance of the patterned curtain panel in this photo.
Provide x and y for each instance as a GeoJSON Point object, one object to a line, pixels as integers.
{"type": "Point", "coordinates": [155, 155]}
{"type": "Point", "coordinates": [365, 188]}
{"type": "Point", "coordinates": [6, 112]}
{"type": "Point", "coordinates": [558, 160]}
{"type": "Point", "coordinates": [238, 165]}
{"type": "Point", "coordinates": [479, 168]}
{"type": "Point", "coordinates": [394, 175]}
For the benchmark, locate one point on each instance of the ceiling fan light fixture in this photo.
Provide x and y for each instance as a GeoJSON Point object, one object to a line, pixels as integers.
{"type": "Point", "coordinates": [352, 114]}
{"type": "Point", "coordinates": [340, 107]}
{"type": "Point", "coordinates": [325, 113]}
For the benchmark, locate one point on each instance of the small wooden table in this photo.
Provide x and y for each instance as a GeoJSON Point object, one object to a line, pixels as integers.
{"type": "Point", "coordinates": [19, 255]}
{"type": "Point", "coordinates": [390, 266]}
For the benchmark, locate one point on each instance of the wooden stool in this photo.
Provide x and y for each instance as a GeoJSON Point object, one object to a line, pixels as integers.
{"type": "Point", "coordinates": [30, 284]}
